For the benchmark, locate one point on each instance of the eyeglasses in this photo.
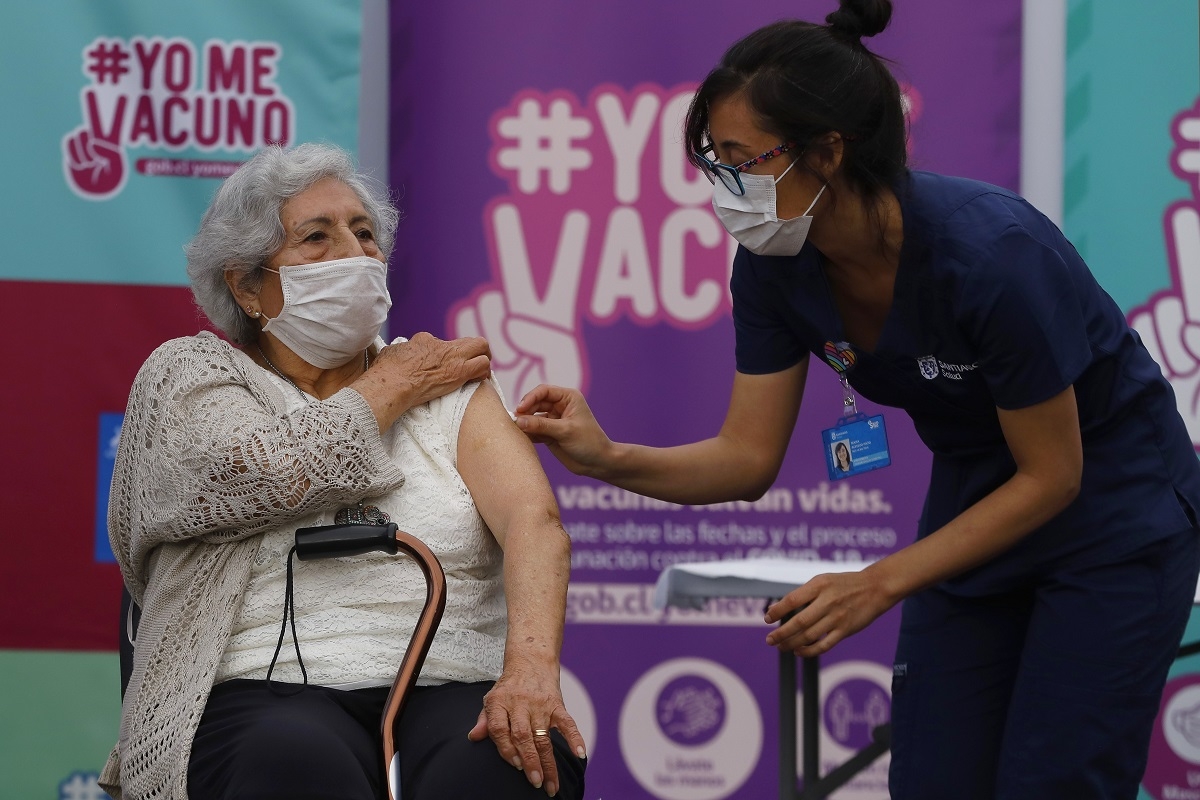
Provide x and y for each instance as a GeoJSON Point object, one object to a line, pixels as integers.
{"type": "Point", "coordinates": [732, 176]}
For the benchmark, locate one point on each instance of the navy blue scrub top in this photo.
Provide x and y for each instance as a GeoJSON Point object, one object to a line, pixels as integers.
{"type": "Point", "coordinates": [993, 308]}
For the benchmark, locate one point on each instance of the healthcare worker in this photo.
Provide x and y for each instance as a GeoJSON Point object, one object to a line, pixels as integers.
{"type": "Point", "coordinates": [1057, 555]}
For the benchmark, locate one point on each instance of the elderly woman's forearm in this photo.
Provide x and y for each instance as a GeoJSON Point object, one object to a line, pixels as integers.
{"type": "Point", "coordinates": [287, 466]}
{"type": "Point", "coordinates": [537, 567]}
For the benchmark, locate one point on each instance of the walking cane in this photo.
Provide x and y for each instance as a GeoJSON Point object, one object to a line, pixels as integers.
{"type": "Point", "coordinates": [332, 541]}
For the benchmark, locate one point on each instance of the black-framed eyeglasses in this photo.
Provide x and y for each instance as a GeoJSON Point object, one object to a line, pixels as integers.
{"type": "Point", "coordinates": [731, 176]}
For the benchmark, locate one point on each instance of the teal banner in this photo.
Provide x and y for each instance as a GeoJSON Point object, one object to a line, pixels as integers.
{"type": "Point", "coordinates": [121, 117]}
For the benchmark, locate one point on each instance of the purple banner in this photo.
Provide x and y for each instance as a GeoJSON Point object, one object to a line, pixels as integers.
{"type": "Point", "coordinates": [548, 206]}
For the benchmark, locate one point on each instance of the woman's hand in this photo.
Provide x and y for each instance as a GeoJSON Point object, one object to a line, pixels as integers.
{"type": "Point", "coordinates": [560, 418]}
{"type": "Point", "coordinates": [834, 606]}
{"type": "Point", "coordinates": [524, 700]}
{"type": "Point", "coordinates": [424, 368]}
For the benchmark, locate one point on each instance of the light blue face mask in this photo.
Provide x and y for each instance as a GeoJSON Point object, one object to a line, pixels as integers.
{"type": "Point", "coordinates": [752, 220]}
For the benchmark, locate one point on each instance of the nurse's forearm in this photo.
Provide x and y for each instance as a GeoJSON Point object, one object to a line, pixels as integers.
{"type": "Point", "coordinates": [710, 471]}
{"type": "Point", "coordinates": [739, 463]}
{"type": "Point", "coordinates": [979, 534]}
{"type": "Point", "coordinates": [1046, 445]}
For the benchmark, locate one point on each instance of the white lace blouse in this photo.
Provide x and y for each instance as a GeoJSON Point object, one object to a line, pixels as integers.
{"type": "Point", "coordinates": [354, 616]}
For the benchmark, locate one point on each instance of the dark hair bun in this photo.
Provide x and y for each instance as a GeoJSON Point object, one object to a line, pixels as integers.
{"type": "Point", "coordinates": [858, 18]}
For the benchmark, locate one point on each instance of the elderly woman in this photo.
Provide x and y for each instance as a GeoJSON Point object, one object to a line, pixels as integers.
{"type": "Point", "coordinates": [311, 419]}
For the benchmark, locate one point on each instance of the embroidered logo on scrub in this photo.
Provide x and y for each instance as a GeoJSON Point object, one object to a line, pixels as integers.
{"type": "Point", "coordinates": [931, 368]}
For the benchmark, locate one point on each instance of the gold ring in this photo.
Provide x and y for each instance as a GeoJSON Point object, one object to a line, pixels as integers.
{"type": "Point", "coordinates": [540, 732]}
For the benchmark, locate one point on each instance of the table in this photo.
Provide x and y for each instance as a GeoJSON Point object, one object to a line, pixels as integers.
{"type": "Point", "coordinates": [690, 585]}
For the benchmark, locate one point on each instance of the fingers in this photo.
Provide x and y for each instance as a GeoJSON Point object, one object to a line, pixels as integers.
{"type": "Point", "coordinates": [480, 731]}
{"type": "Point", "coordinates": [465, 348]}
{"type": "Point", "coordinates": [522, 738]}
{"type": "Point", "coordinates": [818, 648]}
{"type": "Point", "coordinates": [476, 356]}
{"type": "Point", "coordinates": [812, 617]}
{"type": "Point", "coordinates": [545, 753]}
{"type": "Point", "coordinates": [826, 610]}
{"type": "Point", "coordinates": [544, 399]}
{"type": "Point", "coordinates": [477, 368]}
{"type": "Point", "coordinates": [806, 640]}
{"type": "Point", "coordinates": [472, 346]}
{"type": "Point", "coordinates": [497, 728]}
{"type": "Point", "coordinates": [565, 723]}
{"type": "Point", "coordinates": [518, 745]}
{"type": "Point", "coordinates": [469, 345]}
{"type": "Point", "coordinates": [797, 598]}
{"type": "Point", "coordinates": [562, 721]}
{"type": "Point", "coordinates": [519, 715]}
{"type": "Point", "coordinates": [540, 429]}
{"type": "Point", "coordinates": [429, 367]}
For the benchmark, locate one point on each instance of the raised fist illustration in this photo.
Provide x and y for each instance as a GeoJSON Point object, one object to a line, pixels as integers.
{"type": "Point", "coordinates": [94, 167]}
{"type": "Point", "coordinates": [525, 351]}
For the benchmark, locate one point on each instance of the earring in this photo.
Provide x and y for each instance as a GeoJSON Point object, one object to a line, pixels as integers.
{"type": "Point", "coordinates": [253, 313]}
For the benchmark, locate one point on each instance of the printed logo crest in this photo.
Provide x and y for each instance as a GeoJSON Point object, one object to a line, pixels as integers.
{"type": "Point", "coordinates": [929, 367]}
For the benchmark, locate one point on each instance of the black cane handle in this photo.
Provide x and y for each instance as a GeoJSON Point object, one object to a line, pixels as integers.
{"type": "Point", "coordinates": [336, 541]}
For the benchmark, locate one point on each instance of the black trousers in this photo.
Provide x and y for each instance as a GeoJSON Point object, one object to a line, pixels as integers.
{"type": "Point", "coordinates": [325, 744]}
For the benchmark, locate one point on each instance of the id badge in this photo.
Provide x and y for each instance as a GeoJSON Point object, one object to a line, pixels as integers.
{"type": "Point", "coordinates": [855, 445]}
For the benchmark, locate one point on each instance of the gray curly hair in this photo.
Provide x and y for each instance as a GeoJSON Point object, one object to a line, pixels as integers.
{"type": "Point", "coordinates": [241, 229]}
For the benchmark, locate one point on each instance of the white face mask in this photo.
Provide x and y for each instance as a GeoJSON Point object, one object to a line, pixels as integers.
{"type": "Point", "coordinates": [751, 218]}
{"type": "Point", "coordinates": [332, 310]}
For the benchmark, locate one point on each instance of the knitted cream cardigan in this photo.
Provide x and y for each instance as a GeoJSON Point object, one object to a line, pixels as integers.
{"type": "Point", "coordinates": [206, 460]}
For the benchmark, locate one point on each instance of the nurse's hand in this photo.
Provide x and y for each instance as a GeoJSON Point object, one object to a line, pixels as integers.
{"type": "Point", "coordinates": [834, 606]}
{"type": "Point", "coordinates": [560, 418]}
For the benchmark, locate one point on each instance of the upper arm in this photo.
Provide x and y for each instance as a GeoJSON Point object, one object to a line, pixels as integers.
{"type": "Point", "coordinates": [500, 468]}
{"type": "Point", "coordinates": [1045, 440]}
{"type": "Point", "coordinates": [762, 414]}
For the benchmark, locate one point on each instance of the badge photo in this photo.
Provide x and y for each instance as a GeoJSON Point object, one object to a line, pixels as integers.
{"type": "Point", "coordinates": [855, 445]}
